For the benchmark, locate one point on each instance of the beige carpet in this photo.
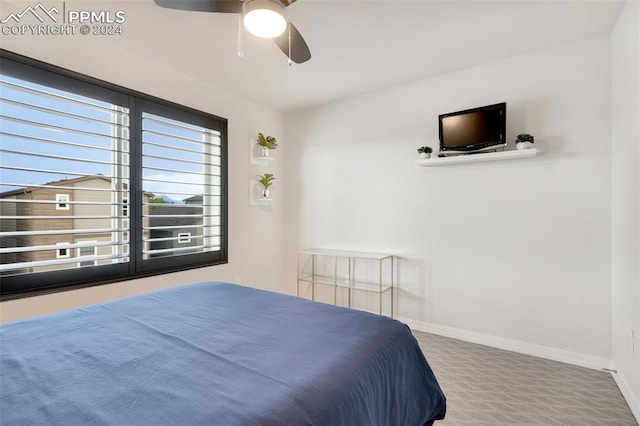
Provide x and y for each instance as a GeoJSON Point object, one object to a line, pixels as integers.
{"type": "Point", "coordinates": [488, 386]}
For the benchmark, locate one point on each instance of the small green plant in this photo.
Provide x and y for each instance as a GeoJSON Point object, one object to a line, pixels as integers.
{"type": "Point", "coordinates": [524, 137]}
{"type": "Point", "coordinates": [425, 150]}
{"type": "Point", "coordinates": [267, 141]}
{"type": "Point", "coordinates": [266, 180]}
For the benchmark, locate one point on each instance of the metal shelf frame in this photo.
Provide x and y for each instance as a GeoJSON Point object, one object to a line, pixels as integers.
{"type": "Point", "coordinates": [343, 278]}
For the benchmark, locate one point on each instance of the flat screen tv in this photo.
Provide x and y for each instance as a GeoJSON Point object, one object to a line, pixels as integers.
{"type": "Point", "coordinates": [476, 129]}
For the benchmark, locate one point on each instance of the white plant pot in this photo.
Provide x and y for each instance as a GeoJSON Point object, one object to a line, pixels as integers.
{"type": "Point", "coordinates": [264, 151]}
{"type": "Point", "coordinates": [424, 155]}
{"type": "Point", "coordinates": [264, 193]}
{"type": "Point", "coordinates": [523, 145]}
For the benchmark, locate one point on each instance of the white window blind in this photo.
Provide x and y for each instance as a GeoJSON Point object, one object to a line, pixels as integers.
{"type": "Point", "coordinates": [64, 178]}
{"type": "Point", "coordinates": [100, 183]}
{"type": "Point", "coordinates": [181, 179]}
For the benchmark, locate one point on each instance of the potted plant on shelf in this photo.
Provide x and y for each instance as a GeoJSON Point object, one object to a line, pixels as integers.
{"type": "Point", "coordinates": [424, 152]}
{"type": "Point", "coordinates": [524, 141]}
{"type": "Point", "coordinates": [266, 180]}
{"type": "Point", "coordinates": [267, 143]}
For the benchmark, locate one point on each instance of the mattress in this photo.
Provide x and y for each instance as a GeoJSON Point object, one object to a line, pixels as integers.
{"type": "Point", "coordinates": [215, 354]}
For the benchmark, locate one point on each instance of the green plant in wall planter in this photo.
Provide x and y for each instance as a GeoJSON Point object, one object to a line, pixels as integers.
{"type": "Point", "coordinates": [524, 141]}
{"type": "Point", "coordinates": [266, 180]}
{"type": "Point", "coordinates": [267, 143]}
{"type": "Point", "coordinates": [424, 152]}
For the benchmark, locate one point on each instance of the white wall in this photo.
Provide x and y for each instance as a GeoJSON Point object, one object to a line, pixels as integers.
{"type": "Point", "coordinates": [518, 251]}
{"type": "Point", "coordinates": [625, 43]}
{"type": "Point", "coordinates": [255, 251]}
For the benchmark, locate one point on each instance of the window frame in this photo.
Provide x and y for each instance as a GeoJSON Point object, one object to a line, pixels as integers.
{"type": "Point", "coordinates": [31, 284]}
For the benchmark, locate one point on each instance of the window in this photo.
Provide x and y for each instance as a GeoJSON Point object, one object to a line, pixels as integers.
{"type": "Point", "coordinates": [184, 237]}
{"type": "Point", "coordinates": [137, 184]}
{"type": "Point", "coordinates": [88, 252]}
{"type": "Point", "coordinates": [181, 161]}
{"type": "Point", "coordinates": [62, 201]}
{"type": "Point", "coordinates": [63, 252]}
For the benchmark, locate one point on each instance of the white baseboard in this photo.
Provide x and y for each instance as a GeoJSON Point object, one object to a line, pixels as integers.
{"type": "Point", "coordinates": [628, 394]}
{"type": "Point", "coordinates": [568, 357]}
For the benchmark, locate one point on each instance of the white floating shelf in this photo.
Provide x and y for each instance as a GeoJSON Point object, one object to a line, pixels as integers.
{"type": "Point", "coordinates": [477, 158]}
{"type": "Point", "coordinates": [255, 158]}
{"type": "Point", "coordinates": [261, 201]}
{"type": "Point", "coordinates": [254, 195]}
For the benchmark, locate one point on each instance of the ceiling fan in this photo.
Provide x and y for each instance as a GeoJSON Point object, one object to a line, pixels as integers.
{"type": "Point", "coordinates": [263, 18]}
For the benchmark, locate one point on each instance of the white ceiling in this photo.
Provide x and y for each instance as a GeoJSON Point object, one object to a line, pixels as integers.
{"type": "Point", "coordinates": [357, 46]}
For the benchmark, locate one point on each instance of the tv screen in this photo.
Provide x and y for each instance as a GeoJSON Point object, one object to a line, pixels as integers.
{"type": "Point", "coordinates": [474, 129]}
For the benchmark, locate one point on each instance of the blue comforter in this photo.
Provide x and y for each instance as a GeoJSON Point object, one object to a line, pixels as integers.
{"type": "Point", "coordinates": [214, 354]}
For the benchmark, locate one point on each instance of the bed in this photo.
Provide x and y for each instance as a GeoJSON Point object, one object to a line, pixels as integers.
{"type": "Point", "coordinates": [215, 354]}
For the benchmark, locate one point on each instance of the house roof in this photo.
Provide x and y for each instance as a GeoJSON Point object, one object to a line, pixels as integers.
{"type": "Point", "coordinates": [194, 199]}
{"type": "Point", "coordinates": [61, 182]}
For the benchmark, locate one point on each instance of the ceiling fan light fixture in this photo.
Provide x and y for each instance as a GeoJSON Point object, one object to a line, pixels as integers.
{"type": "Point", "coordinates": [264, 18]}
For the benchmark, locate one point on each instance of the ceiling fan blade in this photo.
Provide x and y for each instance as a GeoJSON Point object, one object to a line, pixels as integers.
{"type": "Point", "coordinates": [299, 50]}
{"type": "Point", "coordinates": [221, 6]}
